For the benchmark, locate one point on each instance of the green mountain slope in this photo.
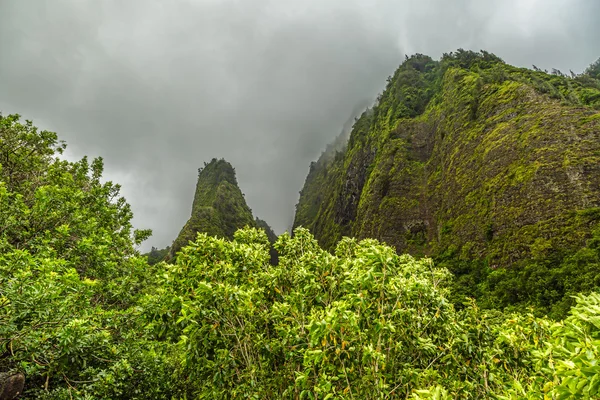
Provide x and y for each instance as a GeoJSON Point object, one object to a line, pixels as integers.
{"type": "Point", "coordinates": [219, 207]}
{"type": "Point", "coordinates": [491, 169]}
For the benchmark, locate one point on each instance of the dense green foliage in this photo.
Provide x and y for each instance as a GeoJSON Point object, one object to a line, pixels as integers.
{"type": "Point", "coordinates": [84, 317]}
{"type": "Point", "coordinates": [492, 170]}
{"type": "Point", "coordinates": [46, 203]}
{"type": "Point", "coordinates": [364, 323]}
{"type": "Point", "coordinates": [70, 276]}
{"type": "Point", "coordinates": [155, 255]}
{"type": "Point", "coordinates": [594, 71]}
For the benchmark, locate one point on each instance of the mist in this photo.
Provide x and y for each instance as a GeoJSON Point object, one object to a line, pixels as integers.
{"type": "Point", "coordinates": [157, 88]}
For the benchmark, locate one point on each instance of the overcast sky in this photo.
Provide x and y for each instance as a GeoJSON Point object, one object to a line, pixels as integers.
{"type": "Point", "coordinates": [159, 87]}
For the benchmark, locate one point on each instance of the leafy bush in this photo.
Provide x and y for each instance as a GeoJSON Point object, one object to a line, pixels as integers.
{"type": "Point", "coordinates": [363, 323]}
{"type": "Point", "coordinates": [70, 276]}
{"type": "Point", "coordinates": [84, 317]}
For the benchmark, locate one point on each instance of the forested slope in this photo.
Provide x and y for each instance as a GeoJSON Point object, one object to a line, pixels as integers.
{"type": "Point", "coordinates": [84, 316]}
{"type": "Point", "coordinates": [491, 169]}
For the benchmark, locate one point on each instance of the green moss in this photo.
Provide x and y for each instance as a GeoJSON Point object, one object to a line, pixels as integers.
{"type": "Point", "coordinates": [470, 160]}
{"type": "Point", "coordinates": [539, 248]}
{"type": "Point", "coordinates": [521, 173]}
{"type": "Point", "coordinates": [219, 207]}
{"type": "Point", "coordinates": [593, 117]}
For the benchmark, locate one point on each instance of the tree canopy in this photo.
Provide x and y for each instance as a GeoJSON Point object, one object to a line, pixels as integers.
{"type": "Point", "coordinates": [84, 316]}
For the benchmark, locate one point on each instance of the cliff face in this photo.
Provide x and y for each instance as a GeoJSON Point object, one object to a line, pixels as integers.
{"type": "Point", "coordinates": [219, 207]}
{"type": "Point", "coordinates": [479, 164]}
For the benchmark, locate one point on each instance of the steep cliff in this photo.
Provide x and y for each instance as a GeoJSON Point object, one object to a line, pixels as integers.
{"type": "Point", "coordinates": [219, 207]}
{"type": "Point", "coordinates": [489, 168]}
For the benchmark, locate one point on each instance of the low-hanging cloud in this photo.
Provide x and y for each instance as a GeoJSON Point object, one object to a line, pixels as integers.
{"type": "Point", "coordinates": [159, 87]}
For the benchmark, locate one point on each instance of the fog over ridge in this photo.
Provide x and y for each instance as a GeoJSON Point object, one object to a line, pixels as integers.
{"type": "Point", "coordinates": [157, 88]}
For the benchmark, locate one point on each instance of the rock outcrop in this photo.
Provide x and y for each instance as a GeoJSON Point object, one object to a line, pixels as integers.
{"type": "Point", "coordinates": [11, 385]}
{"type": "Point", "coordinates": [466, 159]}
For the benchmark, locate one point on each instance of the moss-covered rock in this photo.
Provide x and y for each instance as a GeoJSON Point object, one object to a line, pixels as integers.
{"type": "Point", "coordinates": [479, 164]}
{"type": "Point", "coordinates": [219, 207]}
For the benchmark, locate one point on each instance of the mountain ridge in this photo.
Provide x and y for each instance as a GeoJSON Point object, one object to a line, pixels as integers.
{"type": "Point", "coordinates": [468, 160]}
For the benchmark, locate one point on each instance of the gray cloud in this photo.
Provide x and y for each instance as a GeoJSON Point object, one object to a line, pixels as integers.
{"type": "Point", "coordinates": [157, 88]}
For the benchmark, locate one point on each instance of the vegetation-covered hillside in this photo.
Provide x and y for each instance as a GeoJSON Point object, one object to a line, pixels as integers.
{"type": "Point", "coordinates": [219, 207]}
{"type": "Point", "coordinates": [83, 316]}
{"type": "Point", "coordinates": [362, 323]}
{"type": "Point", "coordinates": [492, 170]}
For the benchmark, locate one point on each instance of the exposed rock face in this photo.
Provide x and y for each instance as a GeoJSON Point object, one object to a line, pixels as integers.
{"type": "Point", "coordinates": [11, 385]}
{"type": "Point", "coordinates": [467, 157]}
